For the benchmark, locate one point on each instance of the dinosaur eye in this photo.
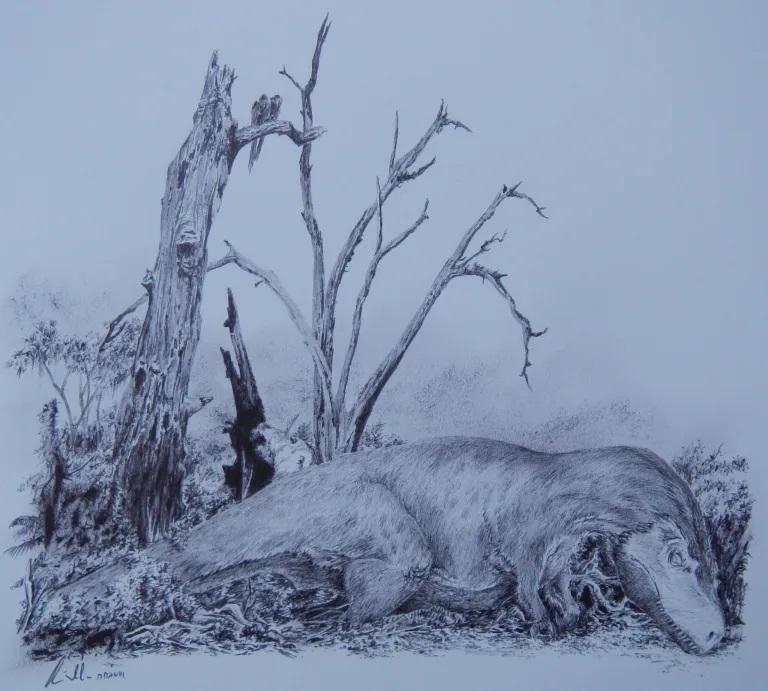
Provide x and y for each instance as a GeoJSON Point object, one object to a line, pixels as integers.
{"type": "Point", "coordinates": [676, 557]}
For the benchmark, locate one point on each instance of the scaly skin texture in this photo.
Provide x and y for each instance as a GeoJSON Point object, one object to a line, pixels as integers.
{"type": "Point", "coordinates": [465, 522]}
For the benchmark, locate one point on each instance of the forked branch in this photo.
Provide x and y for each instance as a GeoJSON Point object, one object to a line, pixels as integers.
{"type": "Point", "coordinates": [458, 264]}
{"type": "Point", "coordinates": [305, 174]}
{"type": "Point", "coordinates": [320, 425]}
{"type": "Point", "coordinates": [272, 281]}
{"type": "Point", "coordinates": [117, 325]}
{"type": "Point", "coordinates": [247, 135]}
{"type": "Point", "coordinates": [495, 279]}
{"type": "Point", "coordinates": [308, 213]}
{"type": "Point", "coordinates": [306, 91]}
{"type": "Point", "coordinates": [399, 172]}
{"type": "Point", "coordinates": [357, 317]}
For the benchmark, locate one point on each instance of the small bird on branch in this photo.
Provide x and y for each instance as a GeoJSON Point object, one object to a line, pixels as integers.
{"type": "Point", "coordinates": [264, 110]}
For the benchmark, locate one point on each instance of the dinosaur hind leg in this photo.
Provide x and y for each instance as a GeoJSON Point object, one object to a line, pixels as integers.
{"type": "Point", "coordinates": [395, 562]}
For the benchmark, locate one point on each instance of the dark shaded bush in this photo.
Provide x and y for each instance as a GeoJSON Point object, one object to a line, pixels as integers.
{"type": "Point", "coordinates": [143, 594]}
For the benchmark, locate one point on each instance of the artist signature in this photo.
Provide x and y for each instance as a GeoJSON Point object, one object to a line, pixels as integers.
{"type": "Point", "coordinates": [79, 673]}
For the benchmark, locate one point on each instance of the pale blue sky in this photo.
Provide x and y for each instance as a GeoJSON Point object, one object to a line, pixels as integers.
{"type": "Point", "coordinates": [640, 126]}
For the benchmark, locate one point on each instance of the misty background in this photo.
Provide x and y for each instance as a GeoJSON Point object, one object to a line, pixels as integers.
{"type": "Point", "coordinates": [639, 126]}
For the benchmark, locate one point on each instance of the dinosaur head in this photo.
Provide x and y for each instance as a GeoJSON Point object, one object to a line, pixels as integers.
{"type": "Point", "coordinates": [670, 574]}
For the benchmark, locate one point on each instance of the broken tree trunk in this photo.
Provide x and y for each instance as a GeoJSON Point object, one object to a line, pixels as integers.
{"type": "Point", "coordinates": [152, 421]}
{"type": "Point", "coordinates": [149, 445]}
{"type": "Point", "coordinates": [250, 471]}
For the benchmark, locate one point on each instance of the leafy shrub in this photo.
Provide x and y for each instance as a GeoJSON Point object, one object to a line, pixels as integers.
{"type": "Point", "coordinates": [71, 489]}
{"type": "Point", "coordinates": [720, 486]}
{"type": "Point", "coordinates": [204, 491]}
{"type": "Point", "coordinates": [375, 438]}
{"type": "Point", "coordinates": [99, 365]}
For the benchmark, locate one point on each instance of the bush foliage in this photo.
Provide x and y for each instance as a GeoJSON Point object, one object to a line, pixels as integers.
{"type": "Point", "coordinates": [720, 485]}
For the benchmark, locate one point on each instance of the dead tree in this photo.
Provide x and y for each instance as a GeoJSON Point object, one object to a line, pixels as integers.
{"type": "Point", "coordinates": [338, 426]}
{"type": "Point", "coordinates": [250, 471]}
{"type": "Point", "coordinates": [152, 421]}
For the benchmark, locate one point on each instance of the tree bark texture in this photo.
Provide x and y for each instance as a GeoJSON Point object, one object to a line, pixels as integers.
{"type": "Point", "coordinates": [57, 472]}
{"type": "Point", "coordinates": [250, 471]}
{"type": "Point", "coordinates": [149, 444]}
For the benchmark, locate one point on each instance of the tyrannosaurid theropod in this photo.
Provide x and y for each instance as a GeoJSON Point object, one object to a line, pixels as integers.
{"type": "Point", "coordinates": [461, 522]}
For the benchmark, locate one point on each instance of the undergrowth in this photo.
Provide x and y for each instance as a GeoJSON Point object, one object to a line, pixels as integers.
{"type": "Point", "coordinates": [72, 532]}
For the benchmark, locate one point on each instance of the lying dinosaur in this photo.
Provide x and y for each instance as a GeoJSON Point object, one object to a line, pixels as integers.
{"type": "Point", "coordinates": [464, 522]}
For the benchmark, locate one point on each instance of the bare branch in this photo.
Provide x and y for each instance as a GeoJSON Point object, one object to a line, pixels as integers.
{"type": "Point", "coordinates": [116, 326]}
{"type": "Point", "coordinates": [399, 173]}
{"type": "Point", "coordinates": [60, 391]}
{"type": "Point", "coordinates": [456, 265]}
{"type": "Point", "coordinates": [494, 277]}
{"type": "Point", "coordinates": [226, 259]}
{"type": "Point", "coordinates": [246, 135]}
{"type": "Point", "coordinates": [305, 168]}
{"type": "Point", "coordinates": [306, 91]}
{"type": "Point", "coordinates": [357, 316]}
{"type": "Point", "coordinates": [399, 239]}
{"type": "Point", "coordinates": [440, 122]}
{"type": "Point", "coordinates": [504, 193]}
{"type": "Point", "coordinates": [408, 176]}
{"type": "Point", "coordinates": [113, 332]}
{"type": "Point", "coordinates": [380, 234]}
{"type": "Point", "coordinates": [271, 280]}
{"type": "Point", "coordinates": [394, 143]}
{"type": "Point", "coordinates": [487, 246]}
{"type": "Point", "coordinates": [325, 27]}
{"type": "Point", "coordinates": [520, 195]}
{"type": "Point", "coordinates": [292, 80]}
{"type": "Point", "coordinates": [320, 420]}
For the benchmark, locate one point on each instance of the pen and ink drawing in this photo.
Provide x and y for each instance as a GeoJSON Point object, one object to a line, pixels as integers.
{"type": "Point", "coordinates": [333, 531]}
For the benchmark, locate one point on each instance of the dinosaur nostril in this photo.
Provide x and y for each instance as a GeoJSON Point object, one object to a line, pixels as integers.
{"type": "Point", "coordinates": [712, 634]}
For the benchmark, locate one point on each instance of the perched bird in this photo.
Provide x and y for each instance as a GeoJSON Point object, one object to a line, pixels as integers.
{"type": "Point", "coordinates": [274, 106]}
{"type": "Point", "coordinates": [260, 112]}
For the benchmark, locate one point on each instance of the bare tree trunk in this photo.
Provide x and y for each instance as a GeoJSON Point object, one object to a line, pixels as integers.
{"type": "Point", "coordinates": [152, 422]}
{"type": "Point", "coordinates": [335, 427]}
{"type": "Point", "coordinates": [322, 419]}
{"type": "Point", "coordinates": [250, 471]}
{"type": "Point", "coordinates": [149, 443]}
